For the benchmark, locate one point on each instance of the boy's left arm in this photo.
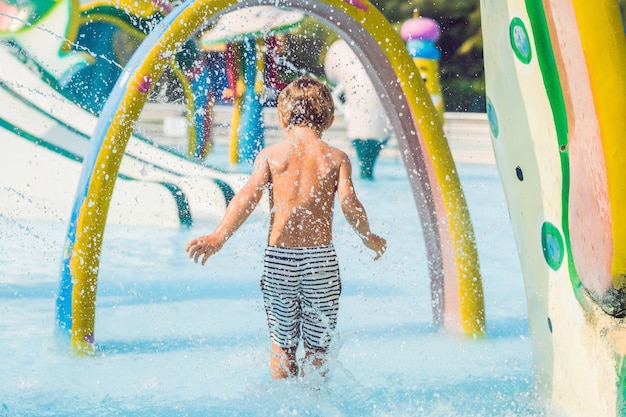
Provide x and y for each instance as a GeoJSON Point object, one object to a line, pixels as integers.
{"type": "Point", "coordinates": [354, 211]}
{"type": "Point", "coordinates": [237, 212]}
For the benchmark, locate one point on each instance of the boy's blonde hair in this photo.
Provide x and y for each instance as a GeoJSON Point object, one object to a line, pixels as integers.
{"type": "Point", "coordinates": [306, 102]}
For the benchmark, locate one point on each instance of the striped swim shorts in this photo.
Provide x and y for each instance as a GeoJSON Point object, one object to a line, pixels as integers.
{"type": "Point", "coordinates": [301, 288]}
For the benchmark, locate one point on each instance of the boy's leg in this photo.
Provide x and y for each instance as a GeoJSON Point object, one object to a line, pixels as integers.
{"type": "Point", "coordinates": [314, 358]}
{"type": "Point", "coordinates": [283, 362]}
{"type": "Point", "coordinates": [280, 297]}
{"type": "Point", "coordinates": [321, 289]}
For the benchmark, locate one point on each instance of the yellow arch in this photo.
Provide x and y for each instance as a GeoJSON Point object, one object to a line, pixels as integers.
{"type": "Point", "coordinates": [453, 259]}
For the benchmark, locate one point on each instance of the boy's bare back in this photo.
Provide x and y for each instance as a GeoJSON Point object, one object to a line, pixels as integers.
{"type": "Point", "coordinates": [304, 176]}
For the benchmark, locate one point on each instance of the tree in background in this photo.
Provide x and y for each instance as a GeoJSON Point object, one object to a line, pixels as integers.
{"type": "Point", "coordinates": [461, 63]}
{"type": "Point", "coordinates": [461, 45]}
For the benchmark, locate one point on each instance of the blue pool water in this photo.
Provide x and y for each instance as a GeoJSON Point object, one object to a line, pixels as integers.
{"type": "Point", "coordinates": [176, 338]}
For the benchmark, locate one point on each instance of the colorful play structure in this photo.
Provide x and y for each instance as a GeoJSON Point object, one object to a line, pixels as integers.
{"type": "Point", "coordinates": [555, 101]}
{"type": "Point", "coordinates": [102, 35]}
{"type": "Point", "coordinates": [453, 265]}
{"type": "Point", "coordinates": [99, 38]}
{"type": "Point", "coordinates": [249, 40]}
{"type": "Point", "coordinates": [421, 35]}
{"type": "Point", "coordinates": [367, 125]}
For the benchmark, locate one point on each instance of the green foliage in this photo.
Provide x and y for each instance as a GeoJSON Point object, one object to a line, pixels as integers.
{"type": "Point", "coordinates": [461, 64]}
{"type": "Point", "coordinates": [396, 11]}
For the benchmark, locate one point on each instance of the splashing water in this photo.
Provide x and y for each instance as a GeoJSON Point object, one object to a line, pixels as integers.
{"type": "Point", "coordinates": [177, 338]}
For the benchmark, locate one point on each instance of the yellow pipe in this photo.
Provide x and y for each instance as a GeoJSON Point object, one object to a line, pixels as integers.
{"type": "Point", "coordinates": [189, 101]}
{"type": "Point", "coordinates": [235, 122]}
{"type": "Point", "coordinates": [85, 260]}
{"type": "Point", "coordinates": [471, 302]}
{"type": "Point", "coordinates": [260, 66]}
{"type": "Point", "coordinates": [92, 216]}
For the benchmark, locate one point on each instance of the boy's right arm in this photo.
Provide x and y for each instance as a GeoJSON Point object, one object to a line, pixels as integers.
{"type": "Point", "coordinates": [354, 211]}
{"type": "Point", "coordinates": [238, 210]}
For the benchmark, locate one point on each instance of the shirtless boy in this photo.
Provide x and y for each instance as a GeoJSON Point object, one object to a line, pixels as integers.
{"type": "Point", "coordinates": [302, 174]}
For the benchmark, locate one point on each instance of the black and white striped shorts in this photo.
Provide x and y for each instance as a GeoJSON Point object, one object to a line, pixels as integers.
{"type": "Point", "coordinates": [301, 288]}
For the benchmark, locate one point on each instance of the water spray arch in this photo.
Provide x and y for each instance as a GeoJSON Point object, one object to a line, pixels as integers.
{"type": "Point", "coordinates": [456, 284]}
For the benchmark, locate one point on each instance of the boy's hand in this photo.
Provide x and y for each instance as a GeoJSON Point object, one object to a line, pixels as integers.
{"type": "Point", "coordinates": [205, 245]}
{"type": "Point", "coordinates": [377, 244]}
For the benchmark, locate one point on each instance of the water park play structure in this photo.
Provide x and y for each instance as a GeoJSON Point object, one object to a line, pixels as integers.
{"type": "Point", "coordinates": [45, 130]}
{"type": "Point", "coordinates": [249, 41]}
{"type": "Point", "coordinates": [367, 125]}
{"type": "Point", "coordinates": [455, 255]}
{"type": "Point", "coordinates": [421, 35]}
{"type": "Point", "coordinates": [555, 88]}
{"type": "Point", "coordinates": [97, 39]}
{"type": "Point", "coordinates": [453, 266]}
{"type": "Point", "coordinates": [553, 70]}
{"type": "Point", "coordinates": [457, 288]}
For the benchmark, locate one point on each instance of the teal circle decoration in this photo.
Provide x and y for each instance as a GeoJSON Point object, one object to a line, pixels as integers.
{"type": "Point", "coordinates": [552, 245]}
{"type": "Point", "coordinates": [520, 42]}
{"type": "Point", "coordinates": [492, 117]}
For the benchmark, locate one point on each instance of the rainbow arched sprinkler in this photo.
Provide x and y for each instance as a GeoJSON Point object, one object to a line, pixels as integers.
{"type": "Point", "coordinates": [456, 284]}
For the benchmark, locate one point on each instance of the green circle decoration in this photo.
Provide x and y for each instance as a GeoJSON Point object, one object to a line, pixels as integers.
{"type": "Point", "coordinates": [520, 42]}
{"type": "Point", "coordinates": [552, 245]}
